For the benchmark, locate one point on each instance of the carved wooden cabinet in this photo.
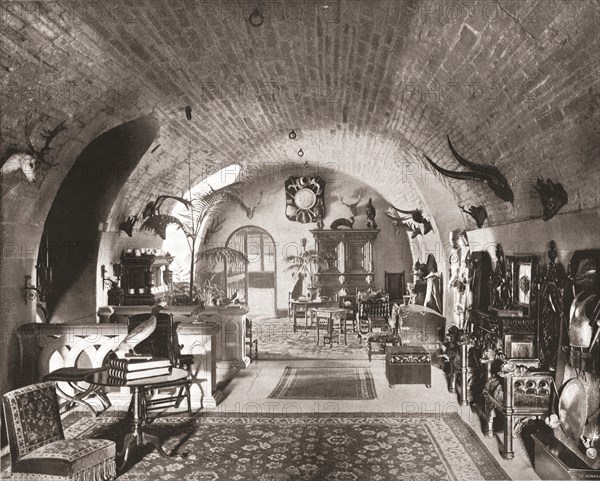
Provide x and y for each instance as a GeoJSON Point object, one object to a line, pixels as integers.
{"type": "Point", "coordinates": [349, 252]}
{"type": "Point", "coordinates": [144, 278]}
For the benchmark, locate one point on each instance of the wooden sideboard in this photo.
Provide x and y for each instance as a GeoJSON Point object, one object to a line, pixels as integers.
{"type": "Point", "coordinates": [349, 252]}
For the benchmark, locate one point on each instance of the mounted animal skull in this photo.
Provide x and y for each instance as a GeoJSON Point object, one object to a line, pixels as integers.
{"type": "Point", "coordinates": [27, 162]}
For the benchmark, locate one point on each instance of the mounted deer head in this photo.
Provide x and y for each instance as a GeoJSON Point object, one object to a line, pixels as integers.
{"type": "Point", "coordinates": [354, 206]}
{"type": "Point", "coordinates": [27, 161]}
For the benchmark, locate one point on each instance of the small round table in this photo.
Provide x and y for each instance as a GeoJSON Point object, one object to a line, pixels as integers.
{"type": "Point", "coordinates": [137, 436]}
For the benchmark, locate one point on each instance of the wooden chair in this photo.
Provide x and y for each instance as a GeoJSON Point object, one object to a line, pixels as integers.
{"type": "Point", "coordinates": [373, 314]}
{"type": "Point", "coordinates": [38, 448]}
{"type": "Point", "coordinates": [163, 343]}
{"type": "Point", "coordinates": [395, 286]}
{"type": "Point", "coordinates": [348, 302]}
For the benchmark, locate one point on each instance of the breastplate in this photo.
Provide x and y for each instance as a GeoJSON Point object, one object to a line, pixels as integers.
{"type": "Point", "coordinates": [580, 327]}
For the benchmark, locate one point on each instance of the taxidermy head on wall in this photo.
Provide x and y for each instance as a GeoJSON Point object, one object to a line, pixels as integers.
{"type": "Point", "coordinates": [20, 161]}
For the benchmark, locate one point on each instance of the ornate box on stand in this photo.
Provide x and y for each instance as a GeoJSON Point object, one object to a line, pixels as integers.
{"type": "Point", "coordinates": [145, 277]}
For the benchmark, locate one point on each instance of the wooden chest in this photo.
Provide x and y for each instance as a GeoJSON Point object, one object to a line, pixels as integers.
{"type": "Point", "coordinates": [553, 460]}
{"type": "Point", "coordinates": [407, 365]}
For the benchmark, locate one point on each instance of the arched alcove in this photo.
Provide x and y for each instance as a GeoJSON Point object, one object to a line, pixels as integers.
{"type": "Point", "coordinates": [81, 209]}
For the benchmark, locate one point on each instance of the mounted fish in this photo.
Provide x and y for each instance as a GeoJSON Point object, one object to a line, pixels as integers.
{"type": "Point", "coordinates": [478, 213]}
{"type": "Point", "coordinates": [552, 196]}
{"type": "Point", "coordinates": [481, 173]}
{"type": "Point", "coordinates": [416, 216]}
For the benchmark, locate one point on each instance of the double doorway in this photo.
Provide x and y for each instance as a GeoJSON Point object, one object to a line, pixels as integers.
{"type": "Point", "coordinates": [256, 281]}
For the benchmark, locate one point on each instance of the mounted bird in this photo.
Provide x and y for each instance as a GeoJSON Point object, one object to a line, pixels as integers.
{"type": "Point", "coordinates": [416, 215]}
{"type": "Point", "coordinates": [126, 349]}
{"type": "Point", "coordinates": [488, 174]}
{"type": "Point", "coordinates": [370, 211]}
{"type": "Point", "coordinates": [478, 213]}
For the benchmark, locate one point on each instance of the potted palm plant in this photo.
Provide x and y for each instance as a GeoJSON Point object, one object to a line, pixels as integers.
{"type": "Point", "coordinates": [309, 263]}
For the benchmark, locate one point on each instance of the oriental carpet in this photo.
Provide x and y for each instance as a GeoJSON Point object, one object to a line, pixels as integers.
{"type": "Point", "coordinates": [311, 447]}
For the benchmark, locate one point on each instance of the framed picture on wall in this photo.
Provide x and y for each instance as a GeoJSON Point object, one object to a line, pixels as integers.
{"type": "Point", "coordinates": [523, 272]}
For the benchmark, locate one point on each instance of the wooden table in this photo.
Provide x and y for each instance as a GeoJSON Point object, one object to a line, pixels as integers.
{"type": "Point", "coordinates": [304, 306]}
{"type": "Point", "coordinates": [329, 313]}
{"type": "Point", "coordinates": [138, 435]}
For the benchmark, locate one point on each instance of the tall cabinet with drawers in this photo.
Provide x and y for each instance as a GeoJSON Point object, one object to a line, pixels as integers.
{"type": "Point", "coordinates": [349, 253]}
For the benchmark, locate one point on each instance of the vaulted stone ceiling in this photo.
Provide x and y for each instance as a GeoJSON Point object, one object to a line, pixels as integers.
{"type": "Point", "coordinates": [368, 85]}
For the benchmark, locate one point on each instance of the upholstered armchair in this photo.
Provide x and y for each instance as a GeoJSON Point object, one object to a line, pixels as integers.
{"type": "Point", "coordinates": [38, 449]}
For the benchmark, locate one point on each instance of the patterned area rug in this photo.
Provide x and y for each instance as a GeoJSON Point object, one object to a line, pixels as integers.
{"type": "Point", "coordinates": [342, 447]}
{"type": "Point", "coordinates": [277, 341]}
{"type": "Point", "coordinates": [325, 383]}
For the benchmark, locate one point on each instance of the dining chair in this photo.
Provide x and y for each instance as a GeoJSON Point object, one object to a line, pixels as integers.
{"type": "Point", "coordinates": [38, 448]}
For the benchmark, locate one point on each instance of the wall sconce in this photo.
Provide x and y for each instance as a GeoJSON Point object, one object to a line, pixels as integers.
{"type": "Point", "coordinates": [300, 153]}
{"type": "Point", "coordinates": [30, 292]}
{"type": "Point", "coordinates": [293, 134]}
{"type": "Point", "coordinates": [108, 281]}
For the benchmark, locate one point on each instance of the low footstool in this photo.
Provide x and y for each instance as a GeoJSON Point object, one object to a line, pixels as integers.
{"type": "Point", "coordinates": [378, 342]}
{"type": "Point", "coordinates": [407, 365]}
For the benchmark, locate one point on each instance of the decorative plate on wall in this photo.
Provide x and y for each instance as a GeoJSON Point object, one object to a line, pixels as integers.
{"type": "Point", "coordinates": [304, 199]}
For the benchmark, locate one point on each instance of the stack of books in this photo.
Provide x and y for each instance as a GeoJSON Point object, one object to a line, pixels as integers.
{"type": "Point", "coordinates": [138, 368]}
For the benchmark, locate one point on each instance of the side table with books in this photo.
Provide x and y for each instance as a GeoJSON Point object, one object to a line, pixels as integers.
{"type": "Point", "coordinates": [138, 367]}
{"type": "Point", "coordinates": [139, 434]}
